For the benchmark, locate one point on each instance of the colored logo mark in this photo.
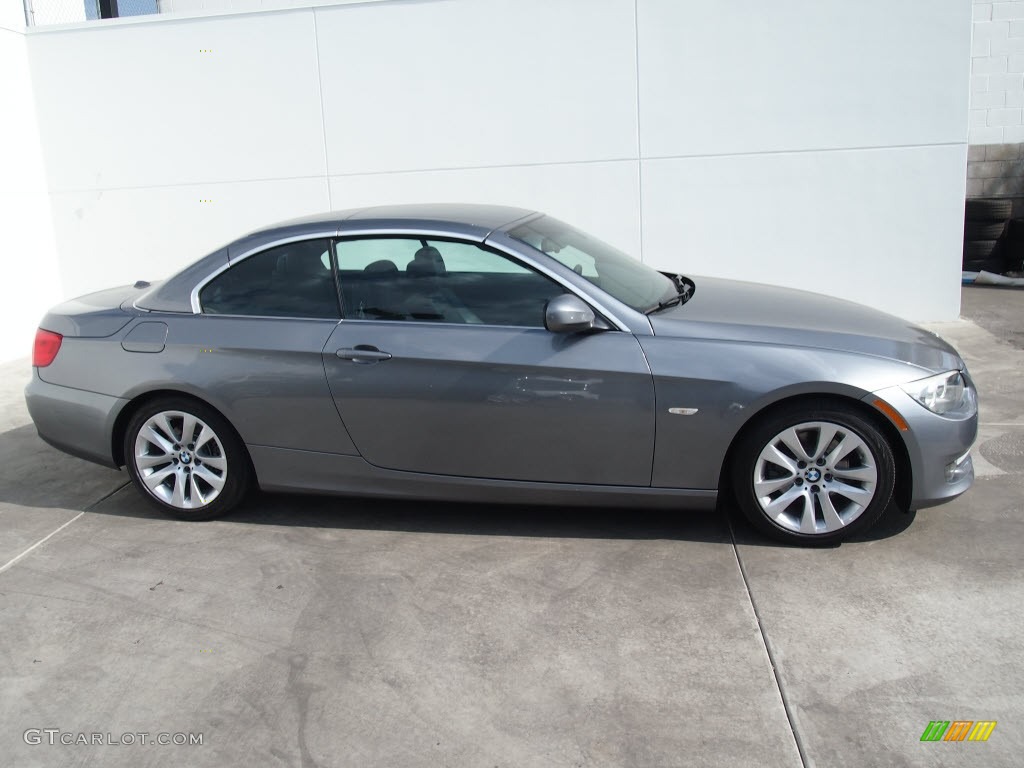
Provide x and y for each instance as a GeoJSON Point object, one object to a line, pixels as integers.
{"type": "Point", "coordinates": [958, 730]}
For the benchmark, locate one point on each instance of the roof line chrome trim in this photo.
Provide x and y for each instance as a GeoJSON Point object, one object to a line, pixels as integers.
{"type": "Point", "coordinates": [345, 233]}
{"type": "Point", "coordinates": [339, 233]}
{"type": "Point", "coordinates": [197, 308]}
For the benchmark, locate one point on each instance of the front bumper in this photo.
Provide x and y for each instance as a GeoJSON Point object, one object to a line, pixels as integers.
{"type": "Point", "coordinates": [74, 421]}
{"type": "Point", "coordinates": [938, 447]}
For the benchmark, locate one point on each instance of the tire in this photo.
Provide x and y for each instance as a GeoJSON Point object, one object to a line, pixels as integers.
{"type": "Point", "coordinates": [1013, 256]}
{"type": "Point", "coordinates": [196, 480]}
{"type": "Point", "coordinates": [978, 249]}
{"type": "Point", "coordinates": [1014, 231]}
{"type": "Point", "coordinates": [778, 496]}
{"type": "Point", "coordinates": [983, 230]}
{"type": "Point", "coordinates": [988, 210]}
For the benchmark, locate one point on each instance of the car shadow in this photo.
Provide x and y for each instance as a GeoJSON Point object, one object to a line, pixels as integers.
{"type": "Point", "coordinates": [451, 518]}
{"type": "Point", "coordinates": [893, 522]}
{"type": "Point", "coordinates": [508, 520]}
{"type": "Point", "coordinates": [32, 474]}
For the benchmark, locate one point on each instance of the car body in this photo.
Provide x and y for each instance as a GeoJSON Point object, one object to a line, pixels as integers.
{"type": "Point", "coordinates": [493, 354]}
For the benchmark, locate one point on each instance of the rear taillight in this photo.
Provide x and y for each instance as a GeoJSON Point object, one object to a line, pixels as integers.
{"type": "Point", "coordinates": [46, 348]}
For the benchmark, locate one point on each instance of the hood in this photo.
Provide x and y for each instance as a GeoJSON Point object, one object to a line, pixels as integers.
{"type": "Point", "coordinates": [731, 310]}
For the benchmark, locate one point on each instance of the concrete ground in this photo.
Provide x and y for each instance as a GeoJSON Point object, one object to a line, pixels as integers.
{"type": "Point", "coordinates": [327, 632]}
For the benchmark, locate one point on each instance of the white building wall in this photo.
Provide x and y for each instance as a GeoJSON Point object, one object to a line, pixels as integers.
{"type": "Point", "coordinates": [201, 7]}
{"type": "Point", "coordinates": [27, 251]}
{"type": "Point", "coordinates": [821, 146]}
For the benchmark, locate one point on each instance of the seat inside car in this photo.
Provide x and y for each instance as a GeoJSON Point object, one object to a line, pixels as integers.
{"type": "Point", "coordinates": [374, 295]}
{"type": "Point", "coordinates": [425, 299]}
{"type": "Point", "coordinates": [310, 284]}
{"type": "Point", "coordinates": [427, 261]}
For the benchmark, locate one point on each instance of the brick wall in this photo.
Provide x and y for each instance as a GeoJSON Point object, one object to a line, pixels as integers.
{"type": "Point", "coordinates": [995, 159]}
{"type": "Point", "coordinates": [997, 74]}
{"type": "Point", "coordinates": [995, 170]}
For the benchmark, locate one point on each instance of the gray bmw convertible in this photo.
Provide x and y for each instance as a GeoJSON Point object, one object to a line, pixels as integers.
{"type": "Point", "coordinates": [493, 354]}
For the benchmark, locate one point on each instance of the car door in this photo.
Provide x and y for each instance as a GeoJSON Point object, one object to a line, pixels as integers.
{"type": "Point", "coordinates": [442, 365]}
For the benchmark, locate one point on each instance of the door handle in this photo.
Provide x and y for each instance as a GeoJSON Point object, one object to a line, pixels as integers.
{"type": "Point", "coordinates": [363, 353]}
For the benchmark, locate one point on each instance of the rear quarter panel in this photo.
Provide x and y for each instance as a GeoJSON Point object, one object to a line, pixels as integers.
{"type": "Point", "coordinates": [265, 376]}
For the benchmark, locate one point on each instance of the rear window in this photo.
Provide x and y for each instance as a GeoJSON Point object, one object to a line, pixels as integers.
{"type": "Point", "coordinates": [293, 280]}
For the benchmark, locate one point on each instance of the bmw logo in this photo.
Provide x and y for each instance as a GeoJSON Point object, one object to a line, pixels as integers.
{"type": "Point", "coordinates": [813, 475]}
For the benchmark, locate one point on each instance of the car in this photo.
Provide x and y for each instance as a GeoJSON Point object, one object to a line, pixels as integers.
{"type": "Point", "coordinates": [494, 354]}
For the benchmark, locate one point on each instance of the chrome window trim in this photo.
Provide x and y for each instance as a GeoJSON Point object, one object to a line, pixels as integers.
{"type": "Point", "coordinates": [341, 234]}
{"type": "Point", "coordinates": [442, 323]}
{"type": "Point", "coordinates": [486, 243]}
{"type": "Point", "coordinates": [294, 319]}
{"type": "Point", "coordinates": [289, 318]}
{"type": "Point", "coordinates": [197, 307]}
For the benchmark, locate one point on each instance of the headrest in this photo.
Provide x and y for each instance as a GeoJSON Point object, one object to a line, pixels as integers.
{"type": "Point", "coordinates": [427, 261]}
{"type": "Point", "coordinates": [302, 261]}
{"type": "Point", "coordinates": [381, 265]}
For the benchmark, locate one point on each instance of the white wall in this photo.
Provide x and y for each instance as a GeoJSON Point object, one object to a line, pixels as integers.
{"type": "Point", "coordinates": [27, 251]}
{"type": "Point", "coordinates": [997, 73]}
{"type": "Point", "coordinates": [814, 144]}
{"type": "Point", "coordinates": [200, 7]}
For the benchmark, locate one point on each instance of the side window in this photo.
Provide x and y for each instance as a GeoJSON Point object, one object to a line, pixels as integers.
{"type": "Point", "coordinates": [430, 280]}
{"type": "Point", "coordinates": [293, 280]}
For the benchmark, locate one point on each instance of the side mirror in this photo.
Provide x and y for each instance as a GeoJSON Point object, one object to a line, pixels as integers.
{"type": "Point", "coordinates": [569, 314]}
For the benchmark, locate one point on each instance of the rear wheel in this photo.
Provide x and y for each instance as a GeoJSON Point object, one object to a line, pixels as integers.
{"type": "Point", "coordinates": [186, 459]}
{"type": "Point", "coordinates": [814, 475]}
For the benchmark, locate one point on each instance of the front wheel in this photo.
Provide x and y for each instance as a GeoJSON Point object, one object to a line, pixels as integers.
{"type": "Point", "coordinates": [814, 475]}
{"type": "Point", "coordinates": [186, 459]}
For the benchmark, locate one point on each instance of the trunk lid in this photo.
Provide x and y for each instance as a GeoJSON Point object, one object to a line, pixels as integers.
{"type": "Point", "coordinates": [95, 315]}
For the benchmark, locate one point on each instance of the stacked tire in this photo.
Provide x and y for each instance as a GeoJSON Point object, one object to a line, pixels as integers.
{"type": "Point", "coordinates": [1012, 246]}
{"type": "Point", "coordinates": [984, 225]}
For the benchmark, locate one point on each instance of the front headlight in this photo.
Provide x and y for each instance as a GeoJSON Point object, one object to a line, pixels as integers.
{"type": "Point", "coordinates": [947, 393]}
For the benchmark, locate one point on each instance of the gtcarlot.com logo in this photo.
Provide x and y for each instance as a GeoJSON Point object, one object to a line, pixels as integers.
{"type": "Point", "coordinates": [958, 730]}
{"type": "Point", "coordinates": [53, 736]}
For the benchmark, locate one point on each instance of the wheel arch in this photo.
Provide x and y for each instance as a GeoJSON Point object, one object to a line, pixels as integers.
{"type": "Point", "coordinates": [903, 489]}
{"type": "Point", "coordinates": [124, 417]}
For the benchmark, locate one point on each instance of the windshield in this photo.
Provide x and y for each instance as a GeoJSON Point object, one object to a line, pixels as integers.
{"type": "Point", "coordinates": [634, 284]}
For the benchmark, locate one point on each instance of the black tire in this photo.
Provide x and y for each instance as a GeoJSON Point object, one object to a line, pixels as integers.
{"type": "Point", "coordinates": [989, 255]}
{"type": "Point", "coordinates": [1013, 255]}
{"type": "Point", "coordinates": [1014, 231]}
{"type": "Point", "coordinates": [873, 450]}
{"type": "Point", "coordinates": [225, 449]}
{"type": "Point", "coordinates": [983, 230]}
{"type": "Point", "coordinates": [978, 249]}
{"type": "Point", "coordinates": [988, 210]}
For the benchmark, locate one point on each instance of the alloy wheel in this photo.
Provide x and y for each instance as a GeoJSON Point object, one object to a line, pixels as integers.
{"type": "Point", "coordinates": [180, 460]}
{"type": "Point", "coordinates": [815, 478]}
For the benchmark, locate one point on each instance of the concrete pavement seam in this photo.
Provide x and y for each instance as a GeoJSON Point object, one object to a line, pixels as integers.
{"type": "Point", "coordinates": [797, 740]}
{"type": "Point", "coordinates": [47, 537]}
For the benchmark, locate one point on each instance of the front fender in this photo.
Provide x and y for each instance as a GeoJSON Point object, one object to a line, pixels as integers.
{"type": "Point", "coordinates": [722, 385]}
